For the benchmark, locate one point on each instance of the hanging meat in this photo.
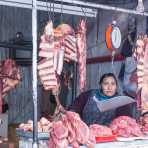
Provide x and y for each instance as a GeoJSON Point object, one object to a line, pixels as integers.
{"type": "Point", "coordinates": [9, 77]}
{"type": "Point", "coordinates": [141, 56]}
{"type": "Point", "coordinates": [46, 68]}
{"type": "Point", "coordinates": [56, 46]}
{"type": "Point", "coordinates": [67, 34]}
{"type": "Point", "coordinates": [1, 89]}
{"type": "Point", "coordinates": [81, 51]}
{"type": "Point", "coordinates": [144, 91]}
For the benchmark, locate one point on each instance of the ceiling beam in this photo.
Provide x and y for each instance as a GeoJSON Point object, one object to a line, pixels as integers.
{"type": "Point", "coordinates": [102, 59]}
{"type": "Point", "coordinates": [44, 6]}
{"type": "Point", "coordinates": [101, 6]}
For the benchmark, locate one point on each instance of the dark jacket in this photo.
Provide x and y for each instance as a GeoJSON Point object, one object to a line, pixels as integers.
{"type": "Point", "coordinates": [88, 110]}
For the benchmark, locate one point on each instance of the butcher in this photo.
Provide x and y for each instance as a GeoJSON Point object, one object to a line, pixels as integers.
{"type": "Point", "coordinates": [87, 108]}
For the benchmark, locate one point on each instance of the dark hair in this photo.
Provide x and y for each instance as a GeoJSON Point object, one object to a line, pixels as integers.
{"type": "Point", "coordinates": [107, 75]}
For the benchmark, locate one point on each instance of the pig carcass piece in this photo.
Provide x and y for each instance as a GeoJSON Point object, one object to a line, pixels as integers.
{"type": "Point", "coordinates": [1, 88]}
{"type": "Point", "coordinates": [81, 51]}
{"type": "Point", "coordinates": [67, 34]}
{"type": "Point", "coordinates": [52, 61]}
{"type": "Point", "coordinates": [1, 98]}
{"type": "Point", "coordinates": [144, 90]}
{"type": "Point", "coordinates": [46, 65]}
{"type": "Point", "coordinates": [70, 48]}
{"type": "Point", "coordinates": [141, 55]}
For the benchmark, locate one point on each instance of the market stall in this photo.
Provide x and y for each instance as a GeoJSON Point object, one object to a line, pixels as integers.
{"type": "Point", "coordinates": [64, 43]}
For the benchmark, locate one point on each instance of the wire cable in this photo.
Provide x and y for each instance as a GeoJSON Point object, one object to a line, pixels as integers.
{"type": "Point", "coordinates": [48, 10]}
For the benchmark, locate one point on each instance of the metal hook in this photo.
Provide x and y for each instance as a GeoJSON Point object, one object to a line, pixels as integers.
{"type": "Point", "coordinates": [53, 12]}
{"type": "Point", "coordinates": [84, 12]}
{"type": "Point", "coordinates": [61, 17]}
{"type": "Point", "coordinates": [49, 11]}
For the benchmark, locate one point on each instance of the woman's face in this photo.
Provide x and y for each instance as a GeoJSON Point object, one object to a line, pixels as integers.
{"type": "Point", "coordinates": [109, 86]}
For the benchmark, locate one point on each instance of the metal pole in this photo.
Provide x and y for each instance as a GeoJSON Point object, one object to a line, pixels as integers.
{"type": "Point", "coordinates": [74, 92]}
{"type": "Point", "coordinates": [106, 7]}
{"type": "Point", "coordinates": [34, 71]}
{"type": "Point", "coordinates": [15, 46]}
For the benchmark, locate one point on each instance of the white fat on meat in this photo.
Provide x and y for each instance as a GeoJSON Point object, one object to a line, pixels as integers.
{"type": "Point", "coordinates": [49, 29]}
{"type": "Point", "coordinates": [46, 54]}
{"type": "Point", "coordinates": [60, 61]}
{"type": "Point", "coordinates": [45, 64]}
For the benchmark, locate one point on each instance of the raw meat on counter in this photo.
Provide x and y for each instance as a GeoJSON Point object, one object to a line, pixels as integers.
{"type": "Point", "coordinates": [66, 129]}
{"type": "Point", "coordinates": [44, 125]}
{"type": "Point", "coordinates": [125, 126]}
{"type": "Point", "coordinates": [144, 123]}
{"type": "Point", "coordinates": [70, 130]}
{"type": "Point", "coordinates": [100, 130]}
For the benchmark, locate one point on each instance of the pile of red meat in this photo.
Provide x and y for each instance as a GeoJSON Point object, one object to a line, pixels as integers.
{"type": "Point", "coordinates": [9, 77]}
{"type": "Point", "coordinates": [69, 129]}
{"type": "Point", "coordinates": [125, 126]}
{"type": "Point", "coordinates": [144, 123]}
{"type": "Point", "coordinates": [100, 130]}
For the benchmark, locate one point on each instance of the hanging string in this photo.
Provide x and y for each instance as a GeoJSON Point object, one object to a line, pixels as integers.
{"type": "Point", "coordinates": [115, 73]}
{"type": "Point", "coordinates": [53, 17]}
{"type": "Point", "coordinates": [84, 12]}
{"type": "Point", "coordinates": [48, 10]}
{"type": "Point", "coordinates": [97, 27]}
{"type": "Point", "coordinates": [61, 17]}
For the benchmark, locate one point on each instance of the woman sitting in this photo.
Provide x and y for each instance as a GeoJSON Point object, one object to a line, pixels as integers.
{"type": "Point", "coordinates": [87, 107]}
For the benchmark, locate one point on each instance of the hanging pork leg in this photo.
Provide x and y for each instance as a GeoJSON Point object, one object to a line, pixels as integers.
{"type": "Point", "coordinates": [1, 98]}
{"type": "Point", "coordinates": [81, 49]}
{"type": "Point", "coordinates": [144, 91]}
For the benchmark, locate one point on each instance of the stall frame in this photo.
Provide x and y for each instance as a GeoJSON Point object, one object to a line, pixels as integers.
{"type": "Point", "coordinates": [34, 5]}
